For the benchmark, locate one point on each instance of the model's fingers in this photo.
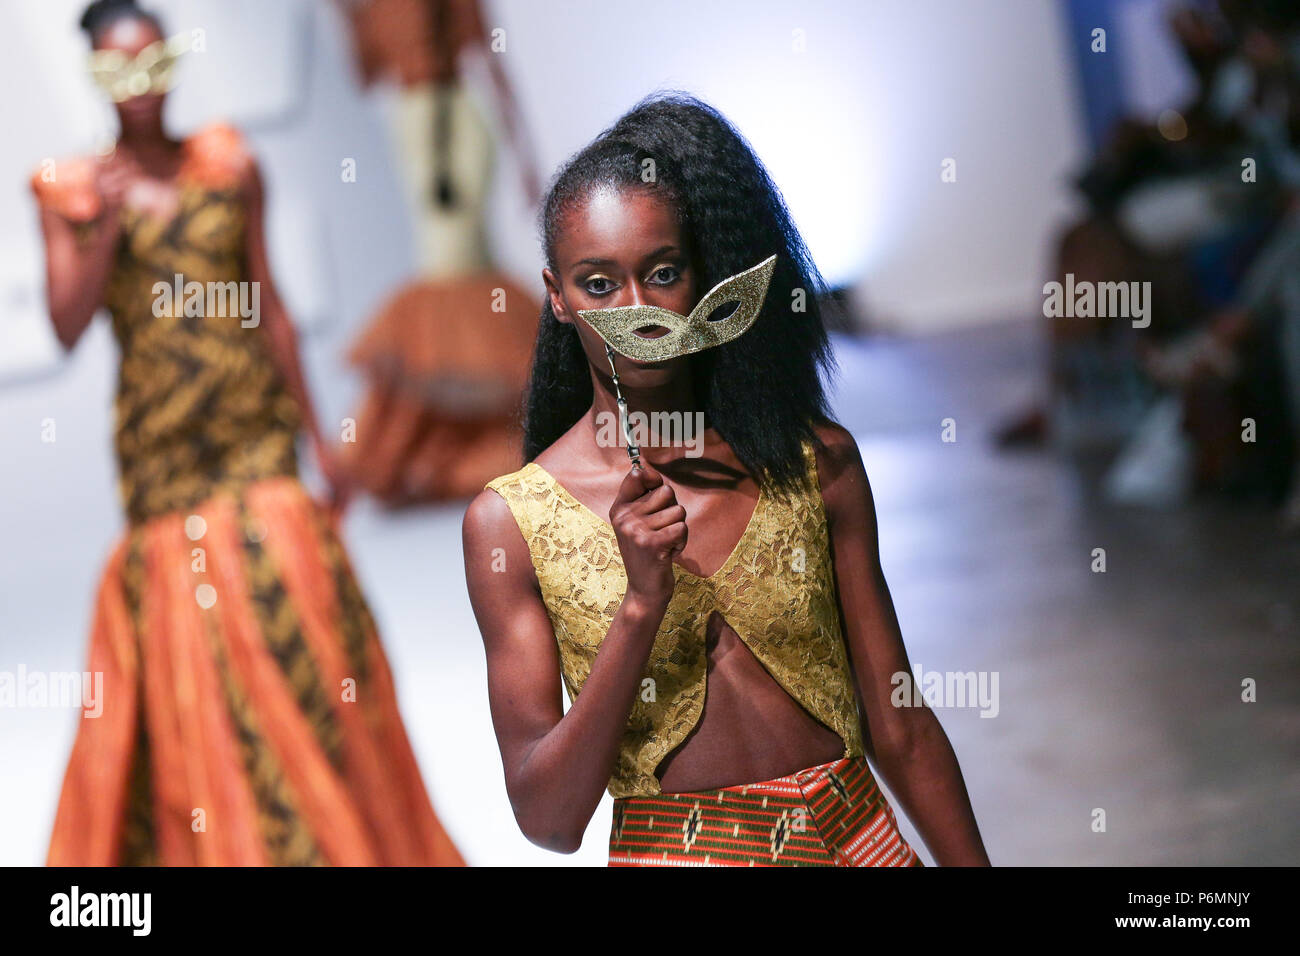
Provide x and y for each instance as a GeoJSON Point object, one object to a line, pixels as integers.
{"type": "Point", "coordinates": [670, 541]}
{"type": "Point", "coordinates": [654, 500]}
{"type": "Point", "coordinates": [636, 483]}
{"type": "Point", "coordinates": [663, 517]}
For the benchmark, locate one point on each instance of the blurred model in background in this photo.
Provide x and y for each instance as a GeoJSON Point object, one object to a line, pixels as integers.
{"type": "Point", "coordinates": [446, 357]}
{"type": "Point", "coordinates": [249, 715]}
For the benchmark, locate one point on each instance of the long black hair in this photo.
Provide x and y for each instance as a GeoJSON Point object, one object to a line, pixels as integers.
{"type": "Point", "coordinates": [762, 391]}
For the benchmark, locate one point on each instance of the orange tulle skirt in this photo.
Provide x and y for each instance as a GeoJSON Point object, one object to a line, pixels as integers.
{"type": "Point", "coordinates": [446, 362]}
{"type": "Point", "coordinates": [248, 714]}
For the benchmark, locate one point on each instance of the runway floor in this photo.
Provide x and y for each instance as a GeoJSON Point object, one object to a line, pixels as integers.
{"type": "Point", "coordinates": [1118, 691]}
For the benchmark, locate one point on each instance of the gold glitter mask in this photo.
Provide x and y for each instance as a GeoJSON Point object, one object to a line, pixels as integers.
{"type": "Point", "coordinates": [686, 334]}
{"type": "Point", "coordinates": [150, 71]}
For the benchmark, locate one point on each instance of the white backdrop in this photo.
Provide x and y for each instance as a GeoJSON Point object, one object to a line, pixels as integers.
{"type": "Point", "coordinates": [853, 105]}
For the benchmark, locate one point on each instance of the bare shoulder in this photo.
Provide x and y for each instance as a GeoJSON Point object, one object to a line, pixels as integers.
{"type": "Point", "coordinates": [67, 187]}
{"type": "Point", "coordinates": [839, 454]}
{"type": "Point", "coordinates": [493, 542]}
{"type": "Point", "coordinates": [488, 517]}
{"type": "Point", "coordinates": [219, 157]}
{"type": "Point", "coordinates": [488, 507]}
{"type": "Point", "coordinates": [842, 476]}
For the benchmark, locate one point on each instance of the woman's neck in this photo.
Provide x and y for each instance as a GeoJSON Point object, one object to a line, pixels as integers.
{"type": "Point", "coordinates": [145, 141]}
{"type": "Point", "coordinates": [676, 397]}
{"type": "Point", "coordinates": [152, 151]}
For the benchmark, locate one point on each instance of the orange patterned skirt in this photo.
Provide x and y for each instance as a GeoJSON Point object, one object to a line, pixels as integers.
{"type": "Point", "coordinates": [248, 712]}
{"type": "Point", "coordinates": [446, 362]}
{"type": "Point", "coordinates": [830, 815]}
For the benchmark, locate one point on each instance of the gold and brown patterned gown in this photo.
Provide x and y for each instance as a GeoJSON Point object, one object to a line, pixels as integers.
{"type": "Point", "coordinates": [249, 715]}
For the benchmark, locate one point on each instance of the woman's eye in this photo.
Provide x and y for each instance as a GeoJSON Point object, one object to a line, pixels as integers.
{"type": "Point", "coordinates": [665, 275]}
{"type": "Point", "coordinates": [598, 285]}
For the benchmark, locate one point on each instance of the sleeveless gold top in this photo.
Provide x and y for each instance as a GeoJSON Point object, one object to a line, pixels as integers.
{"type": "Point", "coordinates": [200, 405]}
{"type": "Point", "coordinates": [776, 589]}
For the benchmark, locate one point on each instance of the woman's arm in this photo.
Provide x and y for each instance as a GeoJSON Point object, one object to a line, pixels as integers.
{"type": "Point", "coordinates": [907, 744]}
{"type": "Point", "coordinates": [273, 319]}
{"type": "Point", "coordinates": [558, 764]}
{"type": "Point", "coordinates": [77, 267]}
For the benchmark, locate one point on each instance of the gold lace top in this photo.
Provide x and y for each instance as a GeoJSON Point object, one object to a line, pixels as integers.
{"type": "Point", "coordinates": [776, 589]}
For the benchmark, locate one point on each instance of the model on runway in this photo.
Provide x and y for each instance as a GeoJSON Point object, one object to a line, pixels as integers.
{"type": "Point", "coordinates": [728, 684]}
{"type": "Point", "coordinates": [249, 715]}
{"type": "Point", "coordinates": [446, 354]}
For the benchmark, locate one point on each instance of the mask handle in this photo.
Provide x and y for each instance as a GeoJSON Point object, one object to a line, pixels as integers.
{"type": "Point", "coordinates": [633, 451]}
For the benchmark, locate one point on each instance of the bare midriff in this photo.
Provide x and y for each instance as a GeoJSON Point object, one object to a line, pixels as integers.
{"type": "Point", "coordinates": [751, 730]}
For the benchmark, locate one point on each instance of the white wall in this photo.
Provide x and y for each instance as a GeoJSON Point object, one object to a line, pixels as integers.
{"type": "Point", "coordinates": [853, 105]}
{"type": "Point", "coordinates": [854, 127]}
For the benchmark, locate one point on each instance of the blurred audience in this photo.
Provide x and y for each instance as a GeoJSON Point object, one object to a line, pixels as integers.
{"type": "Point", "coordinates": [1204, 204]}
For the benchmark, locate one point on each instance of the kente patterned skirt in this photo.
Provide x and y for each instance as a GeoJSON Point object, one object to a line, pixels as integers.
{"type": "Point", "coordinates": [830, 815]}
{"type": "Point", "coordinates": [248, 713]}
